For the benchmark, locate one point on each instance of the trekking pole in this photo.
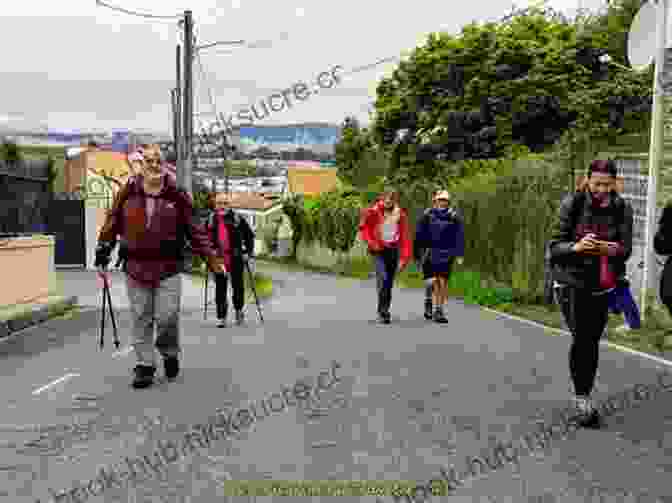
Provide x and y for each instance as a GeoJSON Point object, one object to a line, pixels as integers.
{"type": "Point", "coordinates": [108, 293]}
{"type": "Point", "coordinates": [205, 295]}
{"type": "Point", "coordinates": [254, 290]}
{"type": "Point", "coordinates": [102, 317]}
{"type": "Point", "coordinates": [115, 332]}
{"type": "Point", "coordinates": [107, 302]}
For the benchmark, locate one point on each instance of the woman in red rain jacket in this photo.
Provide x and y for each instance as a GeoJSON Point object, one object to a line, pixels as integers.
{"type": "Point", "coordinates": [384, 227]}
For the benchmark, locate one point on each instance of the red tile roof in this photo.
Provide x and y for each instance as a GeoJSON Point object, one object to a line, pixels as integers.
{"type": "Point", "coordinates": [311, 181]}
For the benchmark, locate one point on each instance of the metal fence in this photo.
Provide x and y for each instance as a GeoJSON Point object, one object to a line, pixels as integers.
{"type": "Point", "coordinates": [24, 197]}
{"type": "Point", "coordinates": [635, 187]}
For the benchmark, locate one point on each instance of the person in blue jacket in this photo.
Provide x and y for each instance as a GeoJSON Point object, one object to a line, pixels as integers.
{"type": "Point", "coordinates": [420, 256]}
{"type": "Point", "coordinates": [440, 234]}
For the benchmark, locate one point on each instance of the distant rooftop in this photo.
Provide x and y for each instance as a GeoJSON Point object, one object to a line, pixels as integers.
{"type": "Point", "coordinates": [251, 201]}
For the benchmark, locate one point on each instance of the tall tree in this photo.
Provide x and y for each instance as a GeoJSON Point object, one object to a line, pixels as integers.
{"type": "Point", "coordinates": [522, 81]}
{"type": "Point", "coordinates": [351, 150]}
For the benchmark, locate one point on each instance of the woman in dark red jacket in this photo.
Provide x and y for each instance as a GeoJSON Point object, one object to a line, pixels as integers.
{"type": "Point", "coordinates": [384, 227]}
{"type": "Point", "coordinates": [233, 239]}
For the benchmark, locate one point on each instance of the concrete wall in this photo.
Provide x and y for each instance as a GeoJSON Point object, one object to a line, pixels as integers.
{"type": "Point", "coordinates": [27, 269]}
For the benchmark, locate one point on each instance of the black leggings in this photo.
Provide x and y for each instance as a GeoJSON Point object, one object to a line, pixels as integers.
{"type": "Point", "coordinates": [221, 288]}
{"type": "Point", "coordinates": [586, 316]}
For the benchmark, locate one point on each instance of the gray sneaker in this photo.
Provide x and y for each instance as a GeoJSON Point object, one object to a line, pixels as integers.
{"type": "Point", "coordinates": [439, 317]}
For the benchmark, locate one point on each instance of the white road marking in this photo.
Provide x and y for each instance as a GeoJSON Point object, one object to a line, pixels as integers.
{"type": "Point", "coordinates": [53, 383]}
{"type": "Point", "coordinates": [610, 344]}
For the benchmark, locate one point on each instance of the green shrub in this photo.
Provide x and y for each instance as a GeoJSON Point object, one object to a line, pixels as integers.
{"type": "Point", "coordinates": [355, 267]}
{"type": "Point", "coordinates": [10, 152]}
{"type": "Point", "coordinates": [294, 208]}
{"type": "Point", "coordinates": [268, 234]}
{"type": "Point", "coordinates": [509, 215]}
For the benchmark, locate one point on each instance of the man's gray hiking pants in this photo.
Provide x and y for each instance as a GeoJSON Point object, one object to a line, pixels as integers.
{"type": "Point", "coordinates": [160, 305]}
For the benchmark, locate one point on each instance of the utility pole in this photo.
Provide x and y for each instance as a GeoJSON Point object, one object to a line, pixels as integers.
{"type": "Point", "coordinates": [178, 105]}
{"type": "Point", "coordinates": [655, 154]}
{"type": "Point", "coordinates": [184, 168]}
{"type": "Point", "coordinates": [175, 117]}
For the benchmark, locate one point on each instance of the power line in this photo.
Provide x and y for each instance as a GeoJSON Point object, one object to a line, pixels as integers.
{"type": "Point", "coordinates": [256, 44]}
{"type": "Point", "coordinates": [354, 70]}
{"type": "Point", "coordinates": [134, 13]}
{"type": "Point", "coordinates": [362, 68]}
{"type": "Point", "coordinates": [206, 85]}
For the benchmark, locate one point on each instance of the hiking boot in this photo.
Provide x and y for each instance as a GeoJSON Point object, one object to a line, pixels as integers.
{"type": "Point", "coordinates": [240, 317]}
{"type": "Point", "coordinates": [171, 366]}
{"type": "Point", "coordinates": [588, 416]}
{"type": "Point", "coordinates": [428, 310]}
{"type": "Point", "coordinates": [221, 323]}
{"type": "Point", "coordinates": [143, 376]}
{"type": "Point", "coordinates": [439, 317]}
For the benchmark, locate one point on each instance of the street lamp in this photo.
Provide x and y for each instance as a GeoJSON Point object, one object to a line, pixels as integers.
{"type": "Point", "coordinates": [213, 44]}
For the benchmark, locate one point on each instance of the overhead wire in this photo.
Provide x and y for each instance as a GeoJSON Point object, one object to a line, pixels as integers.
{"type": "Point", "coordinates": [204, 82]}
{"type": "Point", "coordinates": [243, 44]}
{"type": "Point", "coordinates": [352, 71]}
{"type": "Point", "coordinates": [135, 13]}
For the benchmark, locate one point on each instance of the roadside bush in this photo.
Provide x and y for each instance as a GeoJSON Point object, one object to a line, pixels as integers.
{"type": "Point", "coordinates": [10, 152]}
{"type": "Point", "coordinates": [295, 209]}
{"type": "Point", "coordinates": [509, 214]}
{"type": "Point", "coordinates": [268, 234]}
{"type": "Point", "coordinates": [509, 205]}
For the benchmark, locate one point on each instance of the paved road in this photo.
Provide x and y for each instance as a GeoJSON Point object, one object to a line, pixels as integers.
{"type": "Point", "coordinates": [415, 397]}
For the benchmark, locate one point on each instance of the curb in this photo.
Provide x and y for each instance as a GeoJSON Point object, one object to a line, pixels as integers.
{"type": "Point", "coordinates": [38, 314]}
{"type": "Point", "coordinates": [609, 344]}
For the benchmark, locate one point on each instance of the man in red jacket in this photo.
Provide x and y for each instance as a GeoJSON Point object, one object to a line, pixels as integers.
{"type": "Point", "coordinates": [154, 219]}
{"type": "Point", "coordinates": [384, 227]}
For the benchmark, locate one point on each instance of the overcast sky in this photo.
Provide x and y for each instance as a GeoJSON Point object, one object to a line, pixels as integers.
{"type": "Point", "coordinates": [71, 65]}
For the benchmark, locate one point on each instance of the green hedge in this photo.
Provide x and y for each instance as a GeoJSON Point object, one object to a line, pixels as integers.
{"type": "Point", "coordinates": [509, 205]}
{"type": "Point", "coordinates": [509, 218]}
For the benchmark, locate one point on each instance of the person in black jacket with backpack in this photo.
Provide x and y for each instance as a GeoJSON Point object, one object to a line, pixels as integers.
{"type": "Point", "coordinates": [662, 245]}
{"type": "Point", "coordinates": [234, 241]}
{"type": "Point", "coordinates": [589, 250]}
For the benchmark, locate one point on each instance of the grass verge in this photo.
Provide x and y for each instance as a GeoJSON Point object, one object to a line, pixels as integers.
{"type": "Point", "coordinates": [648, 339]}
{"type": "Point", "coordinates": [17, 318]}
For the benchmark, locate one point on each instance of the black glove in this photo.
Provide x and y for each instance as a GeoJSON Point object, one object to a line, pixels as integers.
{"type": "Point", "coordinates": [103, 252]}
